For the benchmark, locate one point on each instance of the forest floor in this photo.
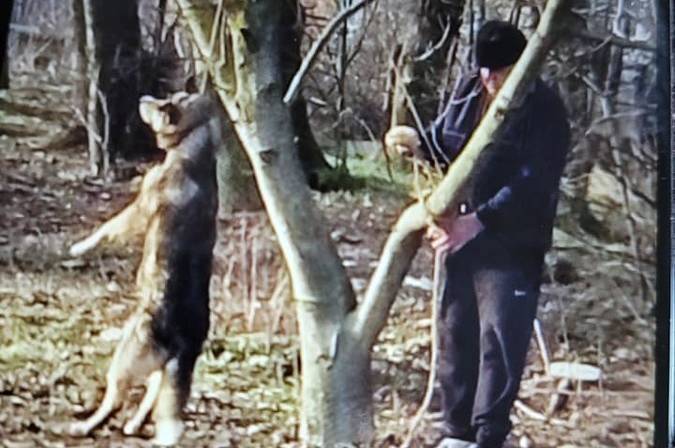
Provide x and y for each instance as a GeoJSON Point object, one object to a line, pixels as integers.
{"type": "Point", "coordinates": [61, 317]}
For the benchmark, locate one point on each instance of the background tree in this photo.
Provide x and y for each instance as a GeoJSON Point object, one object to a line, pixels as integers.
{"type": "Point", "coordinates": [4, 32]}
{"type": "Point", "coordinates": [291, 32]}
{"type": "Point", "coordinates": [114, 50]}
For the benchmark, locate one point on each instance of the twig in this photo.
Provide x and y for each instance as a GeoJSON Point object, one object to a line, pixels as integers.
{"type": "Point", "coordinates": [253, 289]}
{"type": "Point", "coordinates": [538, 416]}
{"type": "Point", "coordinates": [243, 254]}
{"type": "Point", "coordinates": [361, 38]}
{"type": "Point", "coordinates": [80, 117]}
{"type": "Point", "coordinates": [278, 298]}
{"type": "Point", "coordinates": [615, 40]}
{"type": "Point", "coordinates": [437, 46]}
{"type": "Point", "coordinates": [318, 44]}
{"type": "Point", "coordinates": [541, 342]}
{"type": "Point", "coordinates": [106, 119]}
{"type": "Point", "coordinates": [528, 411]}
{"type": "Point", "coordinates": [439, 283]}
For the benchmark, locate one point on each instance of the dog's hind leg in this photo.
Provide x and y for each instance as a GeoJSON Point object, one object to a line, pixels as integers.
{"type": "Point", "coordinates": [152, 388]}
{"type": "Point", "coordinates": [117, 383]}
{"type": "Point", "coordinates": [168, 407]}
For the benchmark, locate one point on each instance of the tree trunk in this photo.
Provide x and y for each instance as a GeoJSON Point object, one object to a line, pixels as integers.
{"type": "Point", "coordinates": [236, 185]}
{"type": "Point", "coordinates": [321, 288]}
{"type": "Point", "coordinates": [309, 152]}
{"type": "Point", "coordinates": [4, 32]}
{"type": "Point", "coordinates": [336, 335]}
{"type": "Point", "coordinates": [98, 156]}
{"type": "Point", "coordinates": [118, 49]}
{"type": "Point", "coordinates": [113, 47]}
{"type": "Point", "coordinates": [80, 37]}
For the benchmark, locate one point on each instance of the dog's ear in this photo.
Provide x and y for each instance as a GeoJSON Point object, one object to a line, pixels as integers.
{"type": "Point", "coordinates": [147, 108]}
{"type": "Point", "coordinates": [161, 115]}
{"type": "Point", "coordinates": [172, 114]}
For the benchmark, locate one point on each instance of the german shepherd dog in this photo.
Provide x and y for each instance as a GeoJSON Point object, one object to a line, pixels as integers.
{"type": "Point", "coordinates": [176, 210]}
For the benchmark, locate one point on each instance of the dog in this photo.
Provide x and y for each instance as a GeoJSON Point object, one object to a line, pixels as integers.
{"type": "Point", "coordinates": [176, 209]}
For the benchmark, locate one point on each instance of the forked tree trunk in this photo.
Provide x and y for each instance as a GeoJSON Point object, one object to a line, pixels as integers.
{"type": "Point", "coordinates": [336, 333]}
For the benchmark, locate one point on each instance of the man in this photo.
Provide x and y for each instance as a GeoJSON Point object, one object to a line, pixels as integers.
{"type": "Point", "coordinates": [497, 243]}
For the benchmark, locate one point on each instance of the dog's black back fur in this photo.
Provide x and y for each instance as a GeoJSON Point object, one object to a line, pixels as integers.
{"type": "Point", "coordinates": [181, 322]}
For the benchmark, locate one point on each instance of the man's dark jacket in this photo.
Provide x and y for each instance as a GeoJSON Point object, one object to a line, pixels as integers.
{"type": "Point", "coordinates": [515, 191]}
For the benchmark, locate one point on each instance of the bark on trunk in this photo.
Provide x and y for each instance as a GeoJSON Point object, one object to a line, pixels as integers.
{"type": "Point", "coordinates": [118, 50]}
{"type": "Point", "coordinates": [236, 184]}
{"type": "Point", "coordinates": [4, 32]}
{"type": "Point", "coordinates": [98, 156]}
{"type": "Point", "coordinates": [309, 152]}
{"type": "Point", "coordinates": [336, 405]}
{"type": "Point", "coordinates": [80, 37]}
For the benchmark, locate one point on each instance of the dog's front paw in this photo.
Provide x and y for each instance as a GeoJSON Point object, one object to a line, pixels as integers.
{"type": "Point", "coordinates": [130, 428]}
{"type": "Point", "coordinates": [167, 432]}
{"type": "Point", "coordinates": [79, 429]}
{"type": "Point", "coordinates": [81, 247]}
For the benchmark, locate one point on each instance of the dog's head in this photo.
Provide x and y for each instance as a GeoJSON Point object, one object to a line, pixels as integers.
{"type": "Point", "coordinates": [172, 118]}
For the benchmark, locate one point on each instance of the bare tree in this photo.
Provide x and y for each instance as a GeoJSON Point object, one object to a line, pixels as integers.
{"type": "Point", "coordinates": [113, 47]}
{"type": "Point", "coordinates": [309, 152]}
{"type": "Point", "coordinates": [4, 31]}
{"type": "Point", "coordinates": [80, 38]}
{"type": "Point", "coordinates": [97, 147]}
{"type": "Point", "coordinates": [336, 332]}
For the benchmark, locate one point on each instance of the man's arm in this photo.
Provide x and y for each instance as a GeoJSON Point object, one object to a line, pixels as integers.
{"type": "Point", "coordinates": [529, 194]}
{"type": "Point", "coordinates": [442, 140]}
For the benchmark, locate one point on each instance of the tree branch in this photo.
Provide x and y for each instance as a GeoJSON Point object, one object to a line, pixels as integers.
{"type": "Point", "coordinates": [370, 316]}
{"type": "Point", "coordinates": [613, 39]}
{"type": "Point", "coordinates": [438, 45]}
{"type": "Point", "coordinates": [317, 46]}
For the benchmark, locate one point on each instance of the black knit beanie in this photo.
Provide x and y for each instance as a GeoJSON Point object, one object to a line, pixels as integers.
{"type": "Point", "coordinates": [498, 44]}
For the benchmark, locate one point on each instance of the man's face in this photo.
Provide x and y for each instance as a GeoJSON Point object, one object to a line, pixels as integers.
{"type": "Point", "coordinates": [493, 79]}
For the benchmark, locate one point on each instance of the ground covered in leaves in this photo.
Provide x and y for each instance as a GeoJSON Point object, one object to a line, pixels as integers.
{"type": "Point", "coordinates": [60, 317]}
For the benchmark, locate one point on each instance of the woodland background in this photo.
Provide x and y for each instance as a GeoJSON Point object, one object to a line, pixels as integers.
{"type": "Point", "coordinates": [72, 148]}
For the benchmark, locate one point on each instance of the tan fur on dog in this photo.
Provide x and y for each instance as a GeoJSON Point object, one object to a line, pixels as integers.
{"type": "Point", "coordinates": [138, 357]}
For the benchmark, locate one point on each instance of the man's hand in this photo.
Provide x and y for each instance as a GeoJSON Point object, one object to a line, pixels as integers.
{"type": "Point", "coordinates": [404, 140]}
{"type": "Point", "coordinates": [451, 235]}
